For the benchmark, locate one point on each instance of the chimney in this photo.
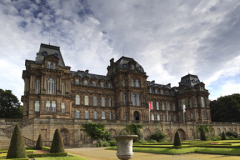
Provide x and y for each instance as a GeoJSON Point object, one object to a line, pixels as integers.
{"type": "Point", "coordinates": [169, 84]}
{"type": "Point", "coordinates": [111, 61]}
{"type": "Point", "coordinates": [153, 81]}
{"type": "Point", "coordinates": [86, 71]}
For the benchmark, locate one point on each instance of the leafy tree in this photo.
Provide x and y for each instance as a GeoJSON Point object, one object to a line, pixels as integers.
{"type": "Point", "coordinates": [17, 146]}
{"type": "Point", "coordinates": [9, 105]}
{"type": "Point", "coordinates": [226, 109]}
{"type": "Point", "coordinates": [177, 140]}
{"type": "Point", "coordinates": [95, 131]}
{"type": "Point", "coordinates": [134, 129]}
{"type": "Point", "coordinates": [232, 133]}
{"type": "Point", "coordinates": [202, 136]}
{"type": "Point", "coordinates": [158, 136]}
{"type": "Point", "coordinates": [57, 143]}
{"type": "Point", "coordinates": [39, 142]}
{"type": "Point", "coordinates": [223, 136]}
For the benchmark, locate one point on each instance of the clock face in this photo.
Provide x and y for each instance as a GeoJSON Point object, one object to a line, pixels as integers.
{"type": "Point", "coordinates": [193, 81]}
{"type": "Point", "coordinates": [56, 54]}
{"type": "Point", "coordinates": [44, 53]}
{"type": "Point", "coordinates": [124, 66]}
{"type": "Point", "coordinates": [187, 81]}
{"type": "Point", "coordinates": [139, 68]}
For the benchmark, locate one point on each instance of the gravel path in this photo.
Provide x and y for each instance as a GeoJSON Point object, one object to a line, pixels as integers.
{"type": "Point", "coordinates": [102, 154]}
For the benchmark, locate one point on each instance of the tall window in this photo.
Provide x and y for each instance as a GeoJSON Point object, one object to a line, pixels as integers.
{"type": "Point", "coordinates": [48, 64]}
{"type": "Point", "coordinates": [164, 118]}
{"type": "Point", "coordinates": [150, 90]}
{"type": "Point", "coordinates": [110, 115]}
{"type": "Point", "coordinates": [94, 114]}
{"type": "Point", "coordinates": [202, 101]}
{"type": "Point", "coordinates": [138, 100]}
{"type": "Point", "coordinates": [47, 105]}
{"type": "Point", "coordinates": [85, 82]}
{"type": "Point", "coordinates": [77, 100]}
{"type": "Point", "coordinates": [77, 114]}
{"type": "Point", "coordinates": [183, 102]}
{"type": "Point", "coordinates": [174, 118]}
{"type": "Point", "coordinates": [36, 106]}
{"type": "Point", "coordinates": [163, 106]}
{"type": "Point", "coordinates": [103, 115]}
{"type": "Point", "coordinates": [63, 107]}
{"type": "Point", "coordinates": [132, 82]}
{"type": "Point", "coordinates": [157, 105]}
{"type": "Point", "coordinates": [53, 106]}
{"type": "Point", "coordinates": [174, 107]}
{"type": "Point", "coordinates": [51, 86]}
{"type": "Point", "coordinates": [133, 99]}
{"type": "Point", "coordinates": [94, 101]}
{"type": "Point", "coordinates": [86, 101]}
{"type": "Point", "coordinates": [53, 65]}
{"type": "Point", "coordinates": [152, 117]}
{"type": "Point", "coordinates": [76, 81]}
{"type": "Point", "coordinates": [125, 99]}
{"type": "Point", "coordinates": [197, 115]}
{"type": "Point", "coordinates": [156, 91]}
{"type": "Point", "coordinates": [152, 106]}
{"type": "Point", "coordinates": [63, 89]}
{"type": "Point", "coordinates": [37, 87]}
{"type": "Point", "coordinates": [126, 118]}
{"type": "Point", "coordinates": [94, 83]}
{"type": "Point", "coordinates": [191, 115]}
{"type": "Point", "coordinates": [168, 106]}
{"type": "Point", "coordinates": [102, 101]}
{"type": "Point", "coordinates": [109, 85]}
{"type": "Point", "coordinates": [86, 115]}
{"type": "Point", "coordinates": [169, 117]}
{"type": "Point", "coordinates": [158, 117]}
{"type": "Point", "coordinates": [190, 103]}
{"type": "Point", "coordinates": [101, 84]}
{"type": "Point", "coordinates": [124, 83]}
{"type": "Point", "coordinates": [110, 102]}
{"type": "Point", "coordinates": [132, 66]}
{"type": "Point", "coordinates": [137, 83]}
{"type": "Point", "coordinates": [161, 91]}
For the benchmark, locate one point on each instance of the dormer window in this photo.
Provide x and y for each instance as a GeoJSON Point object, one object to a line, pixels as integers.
{"type": "Point", "coordinates": [109, 85]}
{"type": "Point", "coordinates": [150, 90]}
{"type": "Point", "coordinates": [85, 82]}
{"type": "Point", "coordinates": [53, 65]}
{"type": "Point", "coordinates": [101, 84]}
{"type": "Point", "coordinates": [48, 64]}
{"type": "Point", "coordinates": [132, 66]}
{"type": "Point", "coordinates": [93, 83]}
{"type": "Point", "coordinates": [77, 81]}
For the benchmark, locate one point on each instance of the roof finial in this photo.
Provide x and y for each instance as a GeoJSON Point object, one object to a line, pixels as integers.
{"type": "Point", "coordinates": [49, 38]}
{"type": "Point", "coordinates": [188, 69]}
{"type": "Point", "coordinates": [123, 51]}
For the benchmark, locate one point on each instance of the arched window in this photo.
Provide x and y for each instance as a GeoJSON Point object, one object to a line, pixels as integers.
{"type": "Point", "coordinates": [168, 106]}
{"type": "Point", "coordinates": [126, 117]}
{"type": "Point", "coordinates": [125, 99]}
{"type": "Point", "coordinates": [138, 100]}
{"type": "Point", "coordinates": [132, 66]}
{"type": "Point", "coordinates": [124, 83]}
{"type": "Point", "coordinates": [101, 84]}
{"type": "Point", "coordinates": [53, 65]}
{"type": "Point", "coordinates": [103, 115]}
{"type": "Point", "coordinates": [132, 82]}
{"type": "Point", "coordinates": [137, 83]}
{"type": "Point", "coordinates": [157, 105]}
{"type": "Point", "coordinates": [48, 64]}
{"type": "Point", "coordinates": [94, 101]}
{"type": "Point", "coordinates": [102, 101]}
{"type": "Point", "coordinates": [93, 83]}
{"type": "Point", "coordinates": [76, 81]}
{"type": "Point", "coordinates": [53, 106]}
{"type": "Point", "coordinates": [169, 117]}
{"type": "Point", "coordinates": [158, 117]}
{"type": "Point", "coordinates": [77, 114]}
{"type": "Point", "coordinates": [191, 115]}
{"type": "Point", "coordinates": [86, 101]}
{"type": "Point", "coordinates": [202, 101]}
{"type": "Point", "coordinates": [63, 107]}
{"type": "Point", "coordinates": [110, 102]}
{"type": "Point", "coordinates": [85, 82]}
{"type": "Point", "coordinates": [86, 115]}
{"type": "Point", "coordinates": [133, 99]}
{"type": "Point", "coordinates": [163, 106]}
{"type": "Point", "coordinates": [47, 105]}
{"type": "Point", "coordinates": [36, 106]}
{"type": "Point", "coordinates": [51, 86]}
{"type": "Point", "coordinates": [110, 115]}
{"type": "Point", "coordinates": [94, 114]}
{"type": "Point", "coordinates": [150, 90]}
{"type": "Point", "coordinates": [77, 100]}
{"type": "Point", "coordinates": [37, 87]}
{"type": "Point", "coordinates": [63, 89]}
{"type": "Point", "coordinates": [156, 91]}
{"type": "Point", "coordinates": [164, 118]}
{"type": "Point", "coordinates": [152, 117]}
{"type": "Point", "coordinates": [161, 91]}
{"type": "Point", "coordinates": [109, 85]}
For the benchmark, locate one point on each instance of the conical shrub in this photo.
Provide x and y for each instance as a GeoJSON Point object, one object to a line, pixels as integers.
{"type": "Point", "coordinates": [223, 136]}
{"type": "Point", "coordinates": [57, 143]}
{"type": "Point", "coordinates": [17, 146]}
{"type": "Point", "coordinates": [202, 136]}
{"type": "Point", "coordinates": [177, 140]}
{"type": "Point", "coordinates": [39, 142]}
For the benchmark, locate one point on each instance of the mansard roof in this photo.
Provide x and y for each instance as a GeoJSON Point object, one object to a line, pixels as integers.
{"type": "Point", "coordinates": [189, 80]}
{"type": "Point", "coordinates": [46, 50]}
{"type": "Point", "coordinates": [123, 63]}
{"type": "Point", "coordinates": [90, 75]}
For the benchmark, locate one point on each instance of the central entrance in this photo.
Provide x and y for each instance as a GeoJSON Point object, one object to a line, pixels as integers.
{"type": "Point", "coordinates": [136, 116]}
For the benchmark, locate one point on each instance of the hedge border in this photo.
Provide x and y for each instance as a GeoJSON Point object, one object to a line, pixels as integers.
{"type": "Point", "coordinates": [62, 154]}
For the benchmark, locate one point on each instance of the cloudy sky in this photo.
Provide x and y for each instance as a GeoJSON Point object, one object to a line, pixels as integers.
{"type": "Point", "coordinates": [167, 37]}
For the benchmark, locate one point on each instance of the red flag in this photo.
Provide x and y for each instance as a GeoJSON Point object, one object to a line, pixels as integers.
{"type": "Point", "coordinates": [150, 105]}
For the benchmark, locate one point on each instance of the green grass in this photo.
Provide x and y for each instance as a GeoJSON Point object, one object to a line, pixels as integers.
{"type": "Point", "coordinates": [75, 157]}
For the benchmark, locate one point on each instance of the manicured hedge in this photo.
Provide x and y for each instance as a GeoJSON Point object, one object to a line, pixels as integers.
{"type": "Point", "coordinates": [62, 154]}
{"type": "Point", "coordinates": [17, 159]}
{"type": "Point", "coordinates": [46, 148]}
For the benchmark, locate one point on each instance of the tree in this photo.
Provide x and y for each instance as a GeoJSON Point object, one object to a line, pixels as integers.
{"type": "Point", "coordinates": [205, 129]}
{"type": "Point", "coordinates": [177, 140]}
{"type": "Point", "coordinates": [134, 129]}
{"type": "Point", "coordinates": [232, 133]}
{"type": "Point", "coordinates": [57, 143]}
{"type": "Point", "coordinates": [223, 136]}
{"type": "Point", "coordinates": [17, 146]}
{"type": "Point", "coordinates": [95, 131]}
{"type": "Point", "coordinates": [39, 142]}
{"type": "Point", "coordinates": [226, 109]}
{"type": "Point", "coordinates": [9, 105]}
{"type": "Point", "coordinates": [202, 136]}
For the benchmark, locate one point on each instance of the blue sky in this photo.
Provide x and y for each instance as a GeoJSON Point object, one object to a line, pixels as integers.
{"type": "Point", "coordinates": [167, 38]}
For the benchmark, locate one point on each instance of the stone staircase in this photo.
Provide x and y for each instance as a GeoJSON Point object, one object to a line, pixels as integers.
{"type": "Point", "coordinates": [4, 140]}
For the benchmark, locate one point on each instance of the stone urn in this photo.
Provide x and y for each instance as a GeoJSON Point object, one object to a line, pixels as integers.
{"type": "Point", "coordinates": [124, 146]}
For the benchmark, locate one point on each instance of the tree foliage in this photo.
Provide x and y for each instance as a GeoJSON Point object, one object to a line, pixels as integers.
{"type": "Point", "coordinates": [223, 136]}
{"type": "Point", "coordinates": [39, 142]}
{"type": "Point", "coordinates": [9, 105]}
{"type": "Point", "coordinates": [134, 129]}
{"type": "Point", "coordinates": [232, 133]}
{"type": "Point", "coordinates": [17, 146]}
{"type": "Point", "coordinates": [159, 135]}
{"type": "Point", "coordinates": [95, 131]}
{"type": "Point", "coordinates": [177, 140]}
{"type": "Point", "coordinates": [57, 143]}
{"type": "Point", "coordinates": [226, 109]}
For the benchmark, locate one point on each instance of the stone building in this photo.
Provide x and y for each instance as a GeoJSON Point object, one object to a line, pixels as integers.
{"type": "Point", "coordinates": [52, 90]}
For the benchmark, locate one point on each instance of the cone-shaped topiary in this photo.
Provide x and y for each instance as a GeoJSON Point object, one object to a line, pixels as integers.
{"type": "Point", "coordinates": [223, 136]}
{"type": "Point", "coordinates": [202, 136]}
{"type": "Point", "coordinates": [57, 143]}
{"type": "Point", "coordinates": [39, 142]}
{"type": "Point", "coordinates": [177, 140]}
{"type": "Point", "coordinates": [17, 146]}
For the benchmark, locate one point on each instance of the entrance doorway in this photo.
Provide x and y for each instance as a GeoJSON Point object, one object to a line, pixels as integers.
{"type": "Point", "coordinates": [136, 116]}
{"type": "Point", "coordinates": [182, 134]}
